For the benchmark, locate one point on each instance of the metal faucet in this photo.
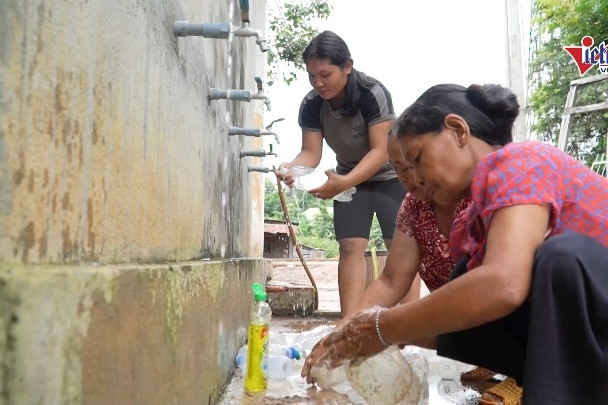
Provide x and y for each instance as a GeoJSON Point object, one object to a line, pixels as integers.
{"type": "Point", "coordinates": [253, 132]}
{"type": "Point", "coordinates": [257, 152]}
{"type": "Point", "coordinates": [219, 30]}
{"type": "Point", "coordinates": [260, 169]}
{"type": "Point", "coordinates": [260, 94]}
{"type": "Point", "coordinates": [241, 95]}
{"type": "Point", "coordinates": [245, 30]}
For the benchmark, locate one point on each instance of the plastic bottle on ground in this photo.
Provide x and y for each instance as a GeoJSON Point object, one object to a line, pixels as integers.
{"type": "Point", "coordinates": [282, 350]}
{"type": "Point", "coordinates": [279, 367]}
{"type": "Point", "coordinates": [256, 377]}
{"type": "Point", "coordinates": [448, 389]}
{"type": "Point", "coordinates": [241, 360]}
{"type": "Point", "coordinates": [447, 369]}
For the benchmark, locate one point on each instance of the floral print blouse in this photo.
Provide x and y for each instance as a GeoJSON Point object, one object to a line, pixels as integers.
{"type": "Point", "coordinates": [417, 220]}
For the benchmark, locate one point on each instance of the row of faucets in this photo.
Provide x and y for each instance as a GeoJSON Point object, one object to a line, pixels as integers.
{"type": "Point", "coordinates": [257, 152]}
{"type": "Point", "coordinates": [223, 30]}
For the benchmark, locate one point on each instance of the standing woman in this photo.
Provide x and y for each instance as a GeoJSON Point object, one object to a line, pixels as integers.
{"type": "Point", "coordinates": [354, 114]}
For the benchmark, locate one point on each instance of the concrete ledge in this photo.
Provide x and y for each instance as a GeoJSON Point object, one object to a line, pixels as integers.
{"type": "Point", "coordinates": [143, 334]}
{"type": "Point", "coordinates": [290, 300]}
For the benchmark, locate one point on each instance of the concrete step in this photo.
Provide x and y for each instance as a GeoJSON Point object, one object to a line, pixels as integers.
{"type": "Point", "coordinates": [286, 299]}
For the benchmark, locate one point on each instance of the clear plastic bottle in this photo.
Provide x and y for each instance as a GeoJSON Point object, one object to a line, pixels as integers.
{"type": "Point", "coordinates": [241, 360]}
{"type": "Point", "coordinates": [256, 377]}
{"type": "Point", "coordinates": [448, 389]}
{"type": "Point", "coordinates": [279, 366]}
{"type": "Point", "coordinates": [447, 369]}
{"type": "Point", "coordinates": [241, 357]}
{"type": "Point", "coordinates": [307, 178]}
{"type": "Point", "coordinates": [282, 350]}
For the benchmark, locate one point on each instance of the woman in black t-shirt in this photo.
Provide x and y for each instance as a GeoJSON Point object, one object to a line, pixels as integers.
{"type": "Point", "coordinates": [354, 114]}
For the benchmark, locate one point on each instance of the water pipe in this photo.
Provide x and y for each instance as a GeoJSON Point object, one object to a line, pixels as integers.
{"type": "Point", "coordinates": [240, 95]}
{"type": "Point", "coordinates": [260, 169]}
{"type": "Point", "coordinates": [219, 30]}
{"type": "Point", "coordinates": [257, 152]}
{"type": "Point", "coordinates": [244, 6]}
{"type": "Point", "coordinates": [252, 132]}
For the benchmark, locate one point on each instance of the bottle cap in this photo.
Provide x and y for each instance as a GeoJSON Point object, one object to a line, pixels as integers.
{"type": "Point", "coordinates": [294, 353]}
{"type": "Point", "coordinates": [258, 292]}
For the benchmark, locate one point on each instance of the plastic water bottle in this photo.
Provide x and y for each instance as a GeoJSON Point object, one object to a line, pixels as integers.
{"type": "Point", "coordinates": [307, 178]}
{"type": "Point", "coordinates": [241, 360]}
{"type": "Point", "coordinates": [279, 367]}
{"type": "Point", "coordinates": [256, 377]}
{"type": "Point", "coordinates": [241, 357]}
{"type": "Point", "coordinates": [281, 350]}
{"type": "Point", "coordinates": [384, 379]}
{"type": "Point", "coordinates": [447, 369]}
{"type": "Point", "coordinates": [448, 389]}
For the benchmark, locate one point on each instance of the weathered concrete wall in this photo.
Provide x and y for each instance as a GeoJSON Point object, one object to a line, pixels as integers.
{"type": "Point", "coordinates": [157, 334]}
{"type": "Point", "coordinates": [109, 149]}
{"type": "Point", "coordinates": [110, 155]}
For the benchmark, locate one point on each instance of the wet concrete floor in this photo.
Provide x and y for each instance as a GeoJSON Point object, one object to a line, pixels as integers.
{"type": "Point", "coordinates": [295, 390]}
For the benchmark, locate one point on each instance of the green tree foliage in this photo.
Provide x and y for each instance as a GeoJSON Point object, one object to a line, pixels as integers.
{"type": "Point", "coordinates": [291, 24]}
{"type": "Point", "coordinates": [559, 23]}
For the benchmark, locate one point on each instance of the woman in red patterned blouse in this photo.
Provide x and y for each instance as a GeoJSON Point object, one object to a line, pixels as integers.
{"type": "Point", "coordinates": [529, 297]}
{"type": "Point", "coordinates": [427, 224]}
{"type": "Point", "coordinates": [420, 244]}
{"type": "Point", "coordinates": [420, 248]}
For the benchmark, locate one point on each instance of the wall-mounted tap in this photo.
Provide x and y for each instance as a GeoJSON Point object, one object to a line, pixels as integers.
{"type": "Point", "coordinates": [257, 152]}
{"type": "Point", "coordinates": [252, 132]}
{"type": "Point", "coordinates": [219, 30]}
{"type": "Point", "coordinates": [260, 94]}
{"type": "Point", "coordinates": [260, 169]}
{"type": "Point", "coordinates": [240, 95]}
{"type": "Point", "coordinates": [245, 30]}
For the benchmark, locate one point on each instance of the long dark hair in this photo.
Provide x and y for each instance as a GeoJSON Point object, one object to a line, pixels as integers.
{"type": "Point", "coordinates": [490, 111]}
{"type": "Point", "coordinates": [328, 45]}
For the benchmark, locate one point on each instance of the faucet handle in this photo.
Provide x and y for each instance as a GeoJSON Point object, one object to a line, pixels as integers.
{"type": "Point", "coordinates": [270, 152]}
{"type": "Point", "coordinates": [258, 80]}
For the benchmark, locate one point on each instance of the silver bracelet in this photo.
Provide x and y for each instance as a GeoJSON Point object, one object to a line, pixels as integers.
{"type": "Point", "coordinates": [378, 327]}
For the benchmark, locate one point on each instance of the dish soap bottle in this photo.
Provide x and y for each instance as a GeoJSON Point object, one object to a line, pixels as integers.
{"type": "Point", "coordinates": [256, 378]}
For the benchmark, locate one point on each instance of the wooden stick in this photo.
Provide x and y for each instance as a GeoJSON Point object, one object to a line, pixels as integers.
{"type": "Point", "coordinates": [292, 234]}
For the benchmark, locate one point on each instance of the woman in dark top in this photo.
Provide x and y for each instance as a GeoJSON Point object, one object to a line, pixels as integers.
{"type": "Point", "coordinates": [354, 114]}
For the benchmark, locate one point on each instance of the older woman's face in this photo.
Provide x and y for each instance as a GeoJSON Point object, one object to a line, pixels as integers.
{"type": "Point", "coordinates": [405, 170]}
{"type": "Point", "coordinates": [443, 165]}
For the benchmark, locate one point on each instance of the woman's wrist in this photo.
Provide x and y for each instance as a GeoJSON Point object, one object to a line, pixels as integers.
{"type": "Point", "coordinates": [378, 331]}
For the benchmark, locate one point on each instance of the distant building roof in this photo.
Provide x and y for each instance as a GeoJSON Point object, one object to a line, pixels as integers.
{"type": "Point", "coordinates": [273, 226]}
{"type": "Point", "coordinates": [312, 248]}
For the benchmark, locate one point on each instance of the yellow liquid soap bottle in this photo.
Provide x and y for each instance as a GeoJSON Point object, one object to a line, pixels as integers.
{"type": "Point", "coordinates": [256, 379]}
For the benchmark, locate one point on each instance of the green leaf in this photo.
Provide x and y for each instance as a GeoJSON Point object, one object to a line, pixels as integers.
{"type": "Point", "coordinates": [292, 26]}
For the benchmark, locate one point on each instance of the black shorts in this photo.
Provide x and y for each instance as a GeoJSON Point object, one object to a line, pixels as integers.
{"type": "Point", "coordinates": [353, 219]}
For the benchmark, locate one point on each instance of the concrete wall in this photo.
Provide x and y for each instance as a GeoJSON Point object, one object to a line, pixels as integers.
{"type": "Point", "coordinates": [109, 149]}
{"type": "Point", "coordinates": [111, 155]}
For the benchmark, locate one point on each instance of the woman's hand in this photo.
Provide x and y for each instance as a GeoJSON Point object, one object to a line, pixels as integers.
{"type": "Point", "coordinates": [334, 185]}
{"type": "Point", "coordinates": [316, 356]}
{"type": "Point", "coordinates": [357, 337]}
{"type": "Point", "coordinates": [283, 174]}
